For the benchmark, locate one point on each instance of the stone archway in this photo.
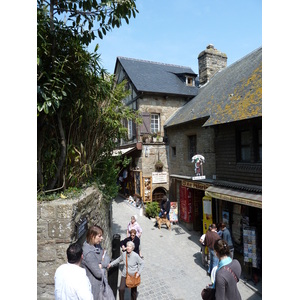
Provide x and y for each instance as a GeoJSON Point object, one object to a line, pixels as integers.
{"type": "Point", "coordinates": [158, 193]}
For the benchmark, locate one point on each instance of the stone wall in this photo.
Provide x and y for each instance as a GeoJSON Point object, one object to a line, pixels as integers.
{"type": "Point", "coordinates": [57, 225]}
{"type": "Point", "coordinates": [152, 152]}
{"type": "Point", "coordinates": [165, 106]}
{"type": "Point", "coordinates": [181, 164]}
{"type": "Point", "coordinates": [210, 61]}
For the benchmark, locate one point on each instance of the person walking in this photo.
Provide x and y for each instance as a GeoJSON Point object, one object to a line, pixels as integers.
{"type": "Point", "coordinates": [132, 238]}
{"type": "Point", "coordinates": [227, 237]}
{"type": "Point", "coordinates": [219, 229]}
{"type": "Point", "coordinates": [165, 208]}
{"type": "Point", "coordinates": [133, 224]}
{"type": "Point", "coordinates": [227, 274]}
{"type": "Point", "coordinates": [135, 266]}
{"type": "Point", "coordinates": [71, 281]}
{"type": "Point", "coordinates": [94, 262]}
{"type": "Point", "coordinates": [211, 237]}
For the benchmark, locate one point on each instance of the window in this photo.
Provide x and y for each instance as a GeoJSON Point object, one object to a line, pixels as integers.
{"type": "Point", "coordinates": [249, 145]}
{"type": "Point", "coordinates": [130, 131]}
{"type": "Point", "coordinates": [129, 98]}
{"type": "Point", "coordinates": [192, 146]}
{"type": "Point", "coordinates": [173, 151]}
{"type": "Point", "coordinates": [259, 145]}
{"type": "Point", "coordinates": [155, 126]}
{"type": "Point", "coordinates": [245, 146]}
{"type": "Point", "coordinates": [190, 81]}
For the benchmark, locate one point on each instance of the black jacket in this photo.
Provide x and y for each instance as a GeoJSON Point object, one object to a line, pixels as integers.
{"type": "Point", "coordinates": [165, 205]}
{"type": "Point", "coordinates": [136, 242]}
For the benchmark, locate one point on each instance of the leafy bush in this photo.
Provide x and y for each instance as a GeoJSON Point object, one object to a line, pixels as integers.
{"type": "Point", "coordinates": [152, 209]}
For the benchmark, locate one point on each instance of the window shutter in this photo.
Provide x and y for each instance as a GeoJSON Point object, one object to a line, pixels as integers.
{"type": "Point", "coordinates": [145, 126]}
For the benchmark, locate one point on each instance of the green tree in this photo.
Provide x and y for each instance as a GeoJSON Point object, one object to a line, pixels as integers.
{"type": "Point", "coordinates": [85, 17]}
{"type": "Point", "coordinates": [80, 110]}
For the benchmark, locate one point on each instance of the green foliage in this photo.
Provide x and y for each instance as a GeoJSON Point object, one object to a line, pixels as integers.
{"type": "Point", "coordinates": [79, 108]}
{"type": "Point", "coordinates": [69, 193]}
{"type": "Point", "coordinates": [152, 209]}
{"type": "Point", "coordinates": [107, 174]}
{"type": "Point", "coordinates": [84, 18]}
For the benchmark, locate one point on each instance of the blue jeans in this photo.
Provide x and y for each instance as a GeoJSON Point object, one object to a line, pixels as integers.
{"type": "Point", "coordinates": [213, 260]}
{"type": "Point", "coordinates": [162, 213]}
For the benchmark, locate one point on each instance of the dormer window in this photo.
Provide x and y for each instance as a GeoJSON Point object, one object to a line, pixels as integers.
{"type": "Point", "coordinates": [190, 81]}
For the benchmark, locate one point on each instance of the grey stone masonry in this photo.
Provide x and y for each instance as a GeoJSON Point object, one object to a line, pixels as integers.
{"type": "Point", "coordinates": [210, 61]}
{"type": "Point", "coordinates": [56, 230]}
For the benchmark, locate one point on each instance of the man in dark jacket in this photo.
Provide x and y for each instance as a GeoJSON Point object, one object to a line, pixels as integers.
{"type": "Point", "coordinates": [227, 237]}
{"type": "Point", "coordinates": [210, 237]}
{"type": "Point", "coordinates": [165, 207]}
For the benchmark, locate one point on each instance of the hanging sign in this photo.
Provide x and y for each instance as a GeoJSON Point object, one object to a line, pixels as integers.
{"type": "Point", "coordinates": [159, 177]}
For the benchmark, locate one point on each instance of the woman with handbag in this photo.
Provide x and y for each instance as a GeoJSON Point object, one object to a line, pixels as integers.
{"type": "Point", "coordinates": [95, 260]}
{"type": "Point", "coordinates": [134, 267]}
{"type": "Point", "coordinates": [227, 274]}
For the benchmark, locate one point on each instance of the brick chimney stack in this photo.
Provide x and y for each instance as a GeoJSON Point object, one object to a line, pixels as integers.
{"type": "Point", "coordinates": [210, 61]}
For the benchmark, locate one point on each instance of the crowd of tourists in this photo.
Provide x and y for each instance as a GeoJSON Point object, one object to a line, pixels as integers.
{"type": "Point", "coordinates": [84, 276]}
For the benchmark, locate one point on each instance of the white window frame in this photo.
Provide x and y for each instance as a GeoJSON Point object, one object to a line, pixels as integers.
{"type": "Point", "coordinates": [130, 132]}
{"type": "Point", "coordinates": [155, 123]}
{"type": "Point", "coordinates": [187, 78]}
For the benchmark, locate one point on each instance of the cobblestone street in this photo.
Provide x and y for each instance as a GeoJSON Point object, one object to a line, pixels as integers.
{"type": "Point", "coordinates": [173, 267]}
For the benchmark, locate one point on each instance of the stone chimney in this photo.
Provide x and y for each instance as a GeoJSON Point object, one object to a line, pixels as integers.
{"type": "Point", "coordinates": [210, 61]}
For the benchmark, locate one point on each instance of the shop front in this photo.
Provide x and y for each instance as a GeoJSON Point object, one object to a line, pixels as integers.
{"type": "Point", "coordinates": [138, 188]}
{"type": "Point", "coordinates": [241, 211]}
{"type": "Point", "coordinates": [189, 195]}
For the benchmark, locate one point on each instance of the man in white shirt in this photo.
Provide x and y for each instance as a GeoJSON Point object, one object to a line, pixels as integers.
{"type": "Point", "coordinates": [71, 281]}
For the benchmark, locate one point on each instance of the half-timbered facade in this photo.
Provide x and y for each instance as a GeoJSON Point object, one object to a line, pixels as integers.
{"type": "Point", "coordinates": [157, 91]}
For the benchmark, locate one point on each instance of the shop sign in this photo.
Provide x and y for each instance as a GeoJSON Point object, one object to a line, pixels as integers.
{"type": "Point", "coordinates": [159, 177]}
{"type": "Point", "coordinates": [195, 185]}
{"type": "Point", "coordinates": [81, 227]}
{"type": "Point", "coordinates": [198, 177]}
{"type": "Point", "coordinates": [173, 212]}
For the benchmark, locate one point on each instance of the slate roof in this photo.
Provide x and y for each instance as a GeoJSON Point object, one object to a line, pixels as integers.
{"type": "Point", "coordinates": [154, 77]}
{"type": "Point", "coordinates": [233, 94]}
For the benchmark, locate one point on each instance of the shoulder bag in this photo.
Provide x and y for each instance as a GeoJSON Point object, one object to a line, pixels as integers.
{"type": "Point", "coordinates": [208, 293]}
{"type": "Point", "coordinates": [131, 280]}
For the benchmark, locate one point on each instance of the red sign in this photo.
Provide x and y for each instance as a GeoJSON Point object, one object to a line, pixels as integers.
{"type": "Point", "coordinates": [186, 204]}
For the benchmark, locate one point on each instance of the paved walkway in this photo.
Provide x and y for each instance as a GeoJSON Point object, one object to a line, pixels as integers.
{"type": "Point", "coordinates": [173, 267]}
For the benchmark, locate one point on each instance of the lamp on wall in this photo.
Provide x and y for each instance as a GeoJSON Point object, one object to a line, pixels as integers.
{"type": "Point", "coordinates": [146, 152]}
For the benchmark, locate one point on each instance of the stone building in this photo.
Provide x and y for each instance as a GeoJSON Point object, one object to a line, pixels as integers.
{"type": "Point", "coordinates": [157, 91]}
{"type": "Point", "coordinates": [217, 116]}
{"type": "Point", "coordinates": [223, 123]}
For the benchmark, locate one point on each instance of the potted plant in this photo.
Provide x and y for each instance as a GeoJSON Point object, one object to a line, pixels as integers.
{"type": "Point", "coordinates": [159, 165]}
{"type": "Point", "coordinates": [154, 137]}
{"type": "Point", "coordinates": [159, 137]}
{"type": "Point", "coordinates": [152, 209]}
{"type": "Point", "coordinates": [146, 138]}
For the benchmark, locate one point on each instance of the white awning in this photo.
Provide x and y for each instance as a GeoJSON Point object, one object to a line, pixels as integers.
{"type": "Point", "coordinates": [117, 152]}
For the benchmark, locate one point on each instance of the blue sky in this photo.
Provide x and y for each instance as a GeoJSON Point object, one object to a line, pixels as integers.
{"type": "Point", "coordinates": [176, 31]}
